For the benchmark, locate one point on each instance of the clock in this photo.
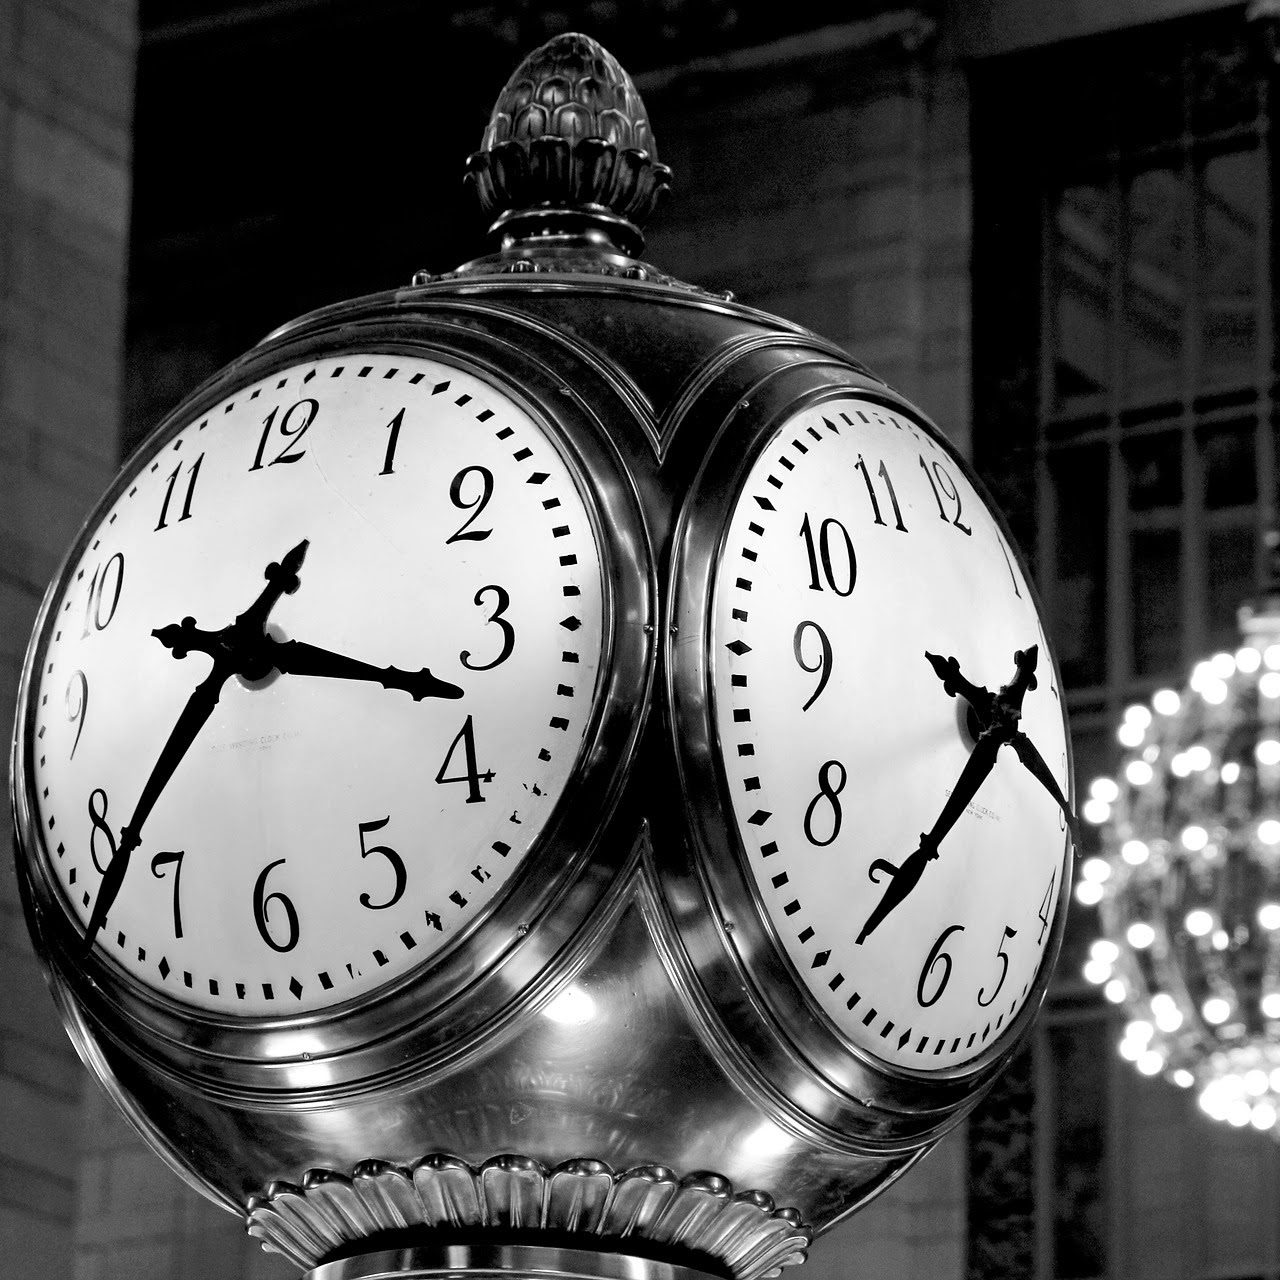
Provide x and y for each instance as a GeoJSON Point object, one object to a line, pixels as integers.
{"type": "Point", "coordinates": [887, 734]}
{"type": "Point", "coordinates": [312, 682]}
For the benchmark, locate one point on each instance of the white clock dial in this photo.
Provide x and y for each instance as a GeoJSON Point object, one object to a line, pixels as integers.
{"type": "Point", "coordinates": [307, 805]}
{"type": "Point", "coordinates": [856, 547]}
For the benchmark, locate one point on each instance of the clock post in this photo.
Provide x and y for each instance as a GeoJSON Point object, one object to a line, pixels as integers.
{"type": "Point", "coordinates": [508, 778]}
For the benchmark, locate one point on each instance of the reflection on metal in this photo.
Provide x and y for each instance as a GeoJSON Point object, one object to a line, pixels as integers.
{"type": "Point", "coordinates": [645, 1206]}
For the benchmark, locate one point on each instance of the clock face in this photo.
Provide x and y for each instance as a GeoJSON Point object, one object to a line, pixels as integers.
{"type": "Point", "coordinates": [315, 683]}
{"type": "Point", "coordinates": [856, 546]}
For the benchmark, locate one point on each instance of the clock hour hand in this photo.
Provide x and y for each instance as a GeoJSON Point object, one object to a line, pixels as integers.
{"type": "Point", "coordinates": [904, 877]}
{"type": "Point", "coordinates": [295, 657]}
{"type": "Point", "coordinates": [204, 697]}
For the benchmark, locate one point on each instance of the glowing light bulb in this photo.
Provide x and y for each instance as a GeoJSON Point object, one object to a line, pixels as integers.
{"type": "Point", "coordinates": [1115, 991]}
{"type": "Point", "coordinates": [1194, 838]}
{"type": "Point", "coordinates": [1269, 915]}
{"type": "Point", "coordinates": [1130, 734]}
{"type": "Point", "coordinates": [1129, 1050]}
{"type": "Point", "coordinates": [1183, 1078]}
{"type": "Point", "coordinates": [1199, 922]}
{"type": "Point", "coordinates": [1137, 714]}
{"type": "Point", "coordinates": [1220, 940]}
{"type": "Point", "coordinates": [1262, 1116]}
{"type": "Point", "coordinates": [1169, 1020]}
{"type": "Point", "coordinates": [1138, 773]}
{"type": "Point", "coordinates": [1214, 691]}
{"type": "Point", "coordinates": [1213, 1102]}
{"type": "Point", "coordinates": [1269, 831]}
{"type": "Point", "coordinates": [1134, 852]}
{"type": "Point", "coordinates": [1271, 1009]}
{"type": "Point", "coordinates": [1151, 1063]}
{"type": "Point", "coordinates": [1223, 665]}
{"type": "Point", "coordinates": [1096, 811]}
{"type": "Point", "coordinates": [1230, 772]}
{"type": "Point", "coordinates": [1105, 950]}
{"type": "Point", "coordinates": [1201, 674]}
{"type": "Point", "coordinates": [1096, 971]}
{"type": "Point", "coordinates": [1166, 702]}
{"type": "Point", "coordinates": [1255, 1082]}
{"type": "Point", "coordinates": [1198, 757]}
{"type": "Point", "coordinates": [1096, 869]}
{"type": "Point", "coordinates": [1140, 935]}
{"type": "Point", "coordinates": [1239, 1113]}
{"type": "Point", "coordinates": [1216, 1010]}
{"type": "Point", "coordinates": [1105, 789]}
{"type": "Point", "coordinates": [1268, 751]}
{"type": "Point", "coordinates": [1248, 660]}
{"type": "Point", "coordinates": [1088, 893]}
{"type": "Point", "coordinates": [1269, 684]}
{"type": "Point", "coordinates": [1180, 765]}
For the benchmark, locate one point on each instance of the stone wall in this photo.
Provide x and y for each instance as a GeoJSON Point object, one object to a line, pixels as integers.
{"type": "Point", "coordinates": [66, 103]}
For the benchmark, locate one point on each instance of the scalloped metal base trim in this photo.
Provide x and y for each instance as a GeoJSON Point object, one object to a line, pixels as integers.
{"type": "Point", "coordinates": [699, 1212]}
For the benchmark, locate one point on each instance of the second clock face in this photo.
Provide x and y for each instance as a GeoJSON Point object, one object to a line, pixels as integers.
{"type": "Point", "coordinates": [315, 683]}
{"type": "Point", "coordinates": [855, 549]}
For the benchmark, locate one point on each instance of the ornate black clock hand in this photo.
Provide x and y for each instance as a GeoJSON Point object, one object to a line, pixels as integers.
{"type": "Point", "coordinates": [198, 709]}
{"type": "Point", "coordinates": [295, 657]}
{"type": "Point", "coordinates": [984, 705]}
{"type": "Point", "coordinates": [232, 649]}
{"type": "Point", "coordinates": [264, 654]}
{"type": "Point", "coordinates": [905, 876]}
{"type": "Point", "coordinates": [997, 717]}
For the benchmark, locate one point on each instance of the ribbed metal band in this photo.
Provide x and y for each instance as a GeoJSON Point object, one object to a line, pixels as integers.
{"type": "Point", "coordinates": [645, 1210]}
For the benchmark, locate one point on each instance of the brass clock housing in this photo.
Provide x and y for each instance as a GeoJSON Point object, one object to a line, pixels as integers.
{"type": "Point", "coordinates": [615, 1058]}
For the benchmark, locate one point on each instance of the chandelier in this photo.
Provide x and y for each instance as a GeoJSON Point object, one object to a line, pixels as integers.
{"type": "Point", "coordinates": [1188, 881]}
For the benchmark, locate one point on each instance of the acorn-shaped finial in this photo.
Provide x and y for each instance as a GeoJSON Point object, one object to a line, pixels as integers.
{"type": "Point", "coordinates": [569, 148]}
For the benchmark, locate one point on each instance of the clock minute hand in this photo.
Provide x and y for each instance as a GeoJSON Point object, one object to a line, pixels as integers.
{"type": "Point", "coordinates": [295, 657]}
{"type": "Point", "coordinates": [1035, 765]}
{"type": "Point", "coordinates": [233, 650]}
{"type": "Point", "coordinates": [199, 707]}
{"type": "Point", "coordinates": [905, 876]}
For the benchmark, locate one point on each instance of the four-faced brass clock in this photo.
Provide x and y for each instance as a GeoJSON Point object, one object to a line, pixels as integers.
{"type": "Point", "coordinates": [542, 749]}
{"type": "Point", "coordinates": [313, 681]}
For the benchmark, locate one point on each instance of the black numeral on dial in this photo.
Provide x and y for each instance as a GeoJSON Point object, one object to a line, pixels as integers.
{"type": "Point", "coordinates": [1004, 968]}
{"type": "Point", "coordinates": [392, 857]}
{"type": "Point", "coordinates": [464, 532]}
{"type": "Point", "coordinates": [262, 903]}
{"type": "Point", "coordinates": [104, 595]}
{"type": "Point", "coordinates": [502, 602]}
{"type": "Point", "coordinates": [830, 792]}
{"type": "Point", "coordinates": [823, 667]}
{"type": "Point", "coordinates": [158, 864]}
{"type": "Point", "coordinates": [937, 956]}
{"type": "Point", "coordinates": [77, 700]}
{"type": "Point", "coordinates": [883, 473]}
{"type": "Point", "coordinates": [940, 480]}
{"type": "Point", "coordinates": [471, 775]}
{"type": "Point", "coordinates": [839, 568]}
{"type": "Point", "coordinates": [292, 428]}
{"type": "Point", "coordinates": [163, 522]}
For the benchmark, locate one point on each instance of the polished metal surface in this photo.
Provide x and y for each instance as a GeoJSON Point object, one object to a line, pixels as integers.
{"type": "Point", "coordinates": [423, 1262]}
{"type": "Point", "coordinates": [620, 1017]}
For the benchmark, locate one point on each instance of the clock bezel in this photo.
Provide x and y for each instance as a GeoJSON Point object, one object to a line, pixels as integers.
{"type": "Point", "coordinates": [482, 968]}
{"type": "Point", "coordinates": [755, 982]}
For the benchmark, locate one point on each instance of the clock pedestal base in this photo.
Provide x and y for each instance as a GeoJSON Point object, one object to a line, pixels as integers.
{"type": "Point", "coordinates": [503, 1262]}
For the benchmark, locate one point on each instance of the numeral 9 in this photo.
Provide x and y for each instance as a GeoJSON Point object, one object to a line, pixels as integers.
{"type": "Point", "coordinates": [823, 665]}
